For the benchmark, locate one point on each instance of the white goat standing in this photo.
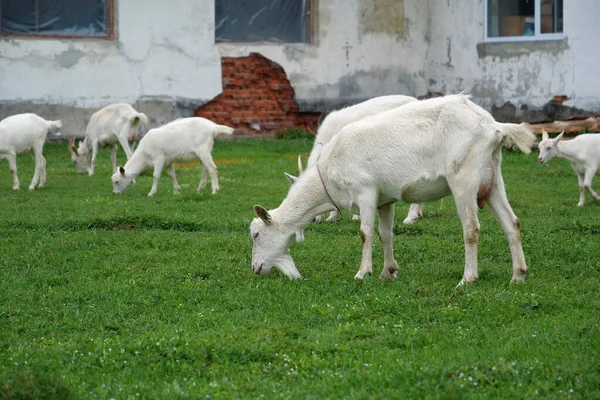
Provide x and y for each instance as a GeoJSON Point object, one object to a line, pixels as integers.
{"type": "Point", "coordinates": [23, 133]}
{"type": "Point", "coordinates": [420, 152]}
{"type": "Point", "coordinates": [182, 140]}
{"type": "Point", "coordinates": [333, 124]}
{"type": "Point", "coordinates": [112, 125]}
{"type": "Point", "coordinates": [582, 152]}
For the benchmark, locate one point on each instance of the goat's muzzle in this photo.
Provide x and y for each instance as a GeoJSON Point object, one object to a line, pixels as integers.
{"type": "Point", "coordinates": [257, 269]}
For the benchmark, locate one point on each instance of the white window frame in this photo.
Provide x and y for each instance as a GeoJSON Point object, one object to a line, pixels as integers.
{"type": "Point", "coordinates": [538, 36]}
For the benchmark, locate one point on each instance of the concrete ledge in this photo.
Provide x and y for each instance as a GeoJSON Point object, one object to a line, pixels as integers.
{"type": "Point", "coordinates": [505, 50]}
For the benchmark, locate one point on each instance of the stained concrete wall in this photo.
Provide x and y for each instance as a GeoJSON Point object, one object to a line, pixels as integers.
{"type": "Point", "coordinates": [522, 72]}
{"type": "Point", "coordinates": [164, 59]}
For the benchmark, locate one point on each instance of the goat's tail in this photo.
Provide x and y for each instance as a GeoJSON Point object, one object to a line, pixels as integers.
{"type": "Point", "coordinates": [139, 118]}
{"type": "Point", "coordinates": [519, 135]}
{"type": "Point", "coordinates": [55, 127]}
{"type": "Point", "coordinates": [223, 129]}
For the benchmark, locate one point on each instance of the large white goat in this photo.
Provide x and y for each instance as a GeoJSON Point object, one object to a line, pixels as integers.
{"type": "Point", "coordinates": [419, 152]}
{"type": "Point", "coordinates": [24, 133]}
{"type": "Point", "coordinates": [334, 122]}
{"type": "Point", "coordinates": [110, 126]}
{"type": "Point", "coordinates": [182, 140]}
{"type": "Point", "coordinates": [582, 152]}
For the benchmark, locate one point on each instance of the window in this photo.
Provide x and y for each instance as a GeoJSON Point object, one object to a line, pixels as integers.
{"type": "Point", "coordinates": [514, 20]}
{"type": "Point", "coordinates": [56, 18]}
{"type": "Point", "coordinates": [280, 21]}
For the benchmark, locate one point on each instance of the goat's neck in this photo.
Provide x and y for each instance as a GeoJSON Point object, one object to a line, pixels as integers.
{"type": "Point", "coordinates": [568, 150]}
{"type": "Point", "coordinates": [306, 199]}
{"type": "Point", "coordinates": [137, 164]}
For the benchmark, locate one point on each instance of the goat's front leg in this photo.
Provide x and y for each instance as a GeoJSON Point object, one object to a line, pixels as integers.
{"type": "Point", "coordinates": [466, 205]}
{"type": "Point", "coordinates": [171, 174]}
{"type": "Point", "coordinates": [113, 157]}
{"type": "Point", "coordinates": [580, 177]}
{"type": "Point", "coordinates": [207, 161]}
{"type": "Point", "coordinates": [94, 158]}
{"type": "Point", "coordinates": [587, 183]}
{"type": "Point", "coordinates": [12, 165]}
{"type": "Point", "coordinates": [158, 167]}
{"type": "Point", "coordinates": [367, 206]}
{"type": "Point", "coordinates": [511, 226]}
{"type": "Point", "coordinates": [386, 235]}
{"type": "Point", "coordinates": [414, 213]}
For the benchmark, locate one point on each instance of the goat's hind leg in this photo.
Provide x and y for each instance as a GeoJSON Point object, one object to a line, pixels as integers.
{"type": "Point", "coordinates": [386, 235]}
{"type": "Point", "coordinates": [367, 206]}
{"type": "Point", "coordinates": [40, 171]}
{"type": "Point", "coordinates": [207, 161]}
{"type": "Point", "coordinates": [171, 174]}
{"type": "Point", "coordinates": [511, 226]}
{"type": "Point", "coordinates": [587, 184]}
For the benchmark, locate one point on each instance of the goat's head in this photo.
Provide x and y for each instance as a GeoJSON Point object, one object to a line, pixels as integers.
{"type": "Point", "coordinates": [547, 147]}
{"type": "Point", "coordinates": [121, 180]}
{"type": "Point", "coordinates": [271, 239]}
{"type": "Point", "coordinates": [79, 158]}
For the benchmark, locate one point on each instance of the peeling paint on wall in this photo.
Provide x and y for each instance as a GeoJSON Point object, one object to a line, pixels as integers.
{"type": "Point", "coordinates": [68, 58]}
{"type": "Point", "coordinates": [382, 17]}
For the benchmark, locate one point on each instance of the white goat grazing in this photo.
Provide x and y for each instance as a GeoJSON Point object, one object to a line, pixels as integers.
{"type": "Point", "coordinates": [182, 140]}
{"type": "Point", "coordinates": [23, 133]}
{"type": "Point", "coordinates": [336, 120]}
{"type": "Point", "coordinates": [112, 125]}
{"type": "Point", "coordinates": [419, 152]}
{"type": "Point", "coordinates": [582, 152]}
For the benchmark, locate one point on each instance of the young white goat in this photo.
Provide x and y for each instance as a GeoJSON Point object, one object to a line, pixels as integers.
{"type": "Point", "coordinates": [335, 121]}
{"type": "Point", "coordinates": [110, 126]}
{"type": "Point", "coordinates": [23, 133]}
{"type": "Point", "coordinates": [582, 152]}
{"type": "Point", "coordinates": [182, 140]}
{"type": "Point", "coordinates": [419, 152]}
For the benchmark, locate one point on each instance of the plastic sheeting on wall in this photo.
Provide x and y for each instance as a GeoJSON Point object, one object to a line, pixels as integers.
{"type": "Point", "coordinates": [55, 17]}
{"type": "Point", "coordinates": [262, 20]}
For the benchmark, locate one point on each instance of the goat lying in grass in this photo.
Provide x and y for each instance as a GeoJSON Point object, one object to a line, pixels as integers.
{"type": "Point", "coordinates": [419, 152]}
{"type": "Point", "coordinates": [110, 126]}
{"type": "Point", "coordinates": [336, 120]}
{"type": "Point", "coordinates": [24, 133]}
{"type": "Point", "coordinates": [182, 140]}
{"type": "Point", "coordinates": [582, 152]}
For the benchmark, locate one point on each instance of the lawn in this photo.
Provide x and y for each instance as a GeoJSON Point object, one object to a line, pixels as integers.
{"type": "Point", "coordinates": [127, 297]}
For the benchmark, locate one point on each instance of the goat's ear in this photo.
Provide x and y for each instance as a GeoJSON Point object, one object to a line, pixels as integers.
{"type": "Point", "coordinates": [122, 171]}
{"type": "Point", "coordinates": [556, 139]}
{"type": "Point", "coordinates": [291, 178]}
{"type": "Point", "coordinates": [544, 135]}
{"type": "Point", "coordinates": [263, 214]}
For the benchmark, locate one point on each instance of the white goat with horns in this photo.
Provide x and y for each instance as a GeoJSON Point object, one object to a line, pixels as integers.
{"type": "Point", "coordinates": [419, 152]}
{"type": "Point", "coordinates": [582, 152]}
{"type": "Point", "coordinates": [182, 140]}
{"type": "Point", "coordinates": [110, 126]}
{"type": "Point", "coordinates": [334, 122]}
{"type": "Point", "coordinates": [23, 133]}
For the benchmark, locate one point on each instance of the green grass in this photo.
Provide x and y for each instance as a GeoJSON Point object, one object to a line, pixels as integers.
{"type": "Point", "coordinates": [128, 297]}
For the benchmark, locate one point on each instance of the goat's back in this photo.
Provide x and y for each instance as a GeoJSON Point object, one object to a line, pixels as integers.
{"type": "Point", "coordinates": [425, 139]}
{"type": "Point", "coordinates": [110, 120]}
{"type": "Point", "coordinates": [20, 131]}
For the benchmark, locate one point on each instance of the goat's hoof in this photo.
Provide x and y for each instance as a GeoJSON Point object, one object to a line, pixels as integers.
{"type": "Point", "coordinates": [465, 281]}
{"type": "Point", "coordinates": [31, 188]}
{"type": "Point", "coordinates": [356, 217]}
{"type": "Point", "coordinates": [215, 191]}
{"type": "Point", "coordinates": [360, 274]}
{"type": "Point", "coordinates": [16, 188]}
{"type": "Point", "coordinates": [410, 221]}
{"type": "Point", "coordinates": [318, 219]}
{"type": "Point", "coordinates": [151, 194]}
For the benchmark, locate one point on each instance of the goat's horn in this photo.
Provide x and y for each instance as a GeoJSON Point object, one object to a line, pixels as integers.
{"type": "Point", "coordinates": [299, 164]}
{"type": "Point", "coordinates": [71, 144]}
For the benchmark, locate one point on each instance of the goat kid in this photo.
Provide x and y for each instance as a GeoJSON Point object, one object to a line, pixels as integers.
{"type": "Point", "coordinates": [110, 126]}
{"type": "Point", "coordinates": [335, 121]}
{"type": "Point", "coordinates": [420, 152]}
{"type": "Point", "coordinates": [582, 152]}
{"type": "Point", "coordinates": [183, 140]}
{"type": "Point", "coordinates": [24, 133]}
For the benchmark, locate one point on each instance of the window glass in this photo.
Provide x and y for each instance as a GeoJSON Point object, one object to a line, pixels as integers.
{"type": "Point", "coordinates": [262, 20]}
{"type": "Point", "coordinates": [55, 17]}
{"type": "Point", "coordinates": [517, 17]}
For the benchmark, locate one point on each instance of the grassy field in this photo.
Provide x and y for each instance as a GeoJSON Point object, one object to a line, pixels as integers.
{"type": "Point", "coordinates": [127, 297]}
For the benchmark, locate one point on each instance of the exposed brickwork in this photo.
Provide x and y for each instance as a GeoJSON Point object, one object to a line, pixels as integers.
{"type": "Point", "coordinates": [256, 94]}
